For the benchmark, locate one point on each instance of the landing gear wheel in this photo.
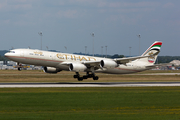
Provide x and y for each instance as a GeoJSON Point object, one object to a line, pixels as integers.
{"type": "Point", "coordinates": [80, 78]}
{"type": "Point", "coordinates": [90, 75]}
{"type": "Point", "coordinates": [95, 78]}
{"type": "Point", "coordinates": [85, 77]}
{"type": "Point", "coordinates": [76, 76]}
{"type": "Point", "coordinates": [19, 68]}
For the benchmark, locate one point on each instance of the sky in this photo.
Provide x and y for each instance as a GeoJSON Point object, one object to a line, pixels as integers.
{"type": "Point", "coordinates": [67, 25]}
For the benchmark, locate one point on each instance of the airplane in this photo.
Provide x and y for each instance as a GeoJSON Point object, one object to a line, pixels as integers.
{"type": "Point", "coordinates": [54, 62]}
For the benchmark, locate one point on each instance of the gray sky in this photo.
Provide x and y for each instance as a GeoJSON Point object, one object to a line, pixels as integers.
{"type": "Point", "coordinates": [115, 23]}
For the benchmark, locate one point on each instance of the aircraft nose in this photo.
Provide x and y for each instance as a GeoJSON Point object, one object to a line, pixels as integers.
{"type": "Point", "coordinates": [6, 54]}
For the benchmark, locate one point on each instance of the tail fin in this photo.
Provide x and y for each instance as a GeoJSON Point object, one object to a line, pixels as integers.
{"type": "Point", "coordinates": [153, 50]}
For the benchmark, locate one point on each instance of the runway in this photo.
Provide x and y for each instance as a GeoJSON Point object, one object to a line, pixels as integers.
{"type": "Point", "coordinates": [90, 84]}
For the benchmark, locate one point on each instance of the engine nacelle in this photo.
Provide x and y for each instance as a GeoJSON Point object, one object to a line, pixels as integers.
{"type": "Point", "coordinates": [51, 70]}
{"type": "Point", "coordinates": [77, 67]}
{"type": "Point", "coordinates": [108, 64]}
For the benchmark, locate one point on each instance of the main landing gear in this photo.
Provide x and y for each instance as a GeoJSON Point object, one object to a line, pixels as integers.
{"type": "Point", "coordinates": [86, 76]}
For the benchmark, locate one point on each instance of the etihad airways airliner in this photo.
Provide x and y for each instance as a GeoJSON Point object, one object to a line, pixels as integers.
{"type": "Point", "coordinates": [54, 62]}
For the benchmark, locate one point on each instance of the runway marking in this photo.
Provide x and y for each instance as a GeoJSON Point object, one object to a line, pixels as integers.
{"type": "Point", "coordinates": [158, 74]}
{"type": "Point", "coordinates": [91, 84]}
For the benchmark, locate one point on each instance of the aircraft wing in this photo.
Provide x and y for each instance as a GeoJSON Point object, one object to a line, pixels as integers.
{"type": "Point", "coordinates": [118, 60]}
{"type": "Point", "coordinates": [94, 64]}
{"type": "Point", "coordinates": [126, 60]}
{"type": "Point", "coordinates": [66, 63]}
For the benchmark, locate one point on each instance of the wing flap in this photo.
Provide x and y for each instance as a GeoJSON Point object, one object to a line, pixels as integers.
{"type": "Point", "coordinates": [91, 63]}
{"type": "Point", "coordinates": [66, 63]}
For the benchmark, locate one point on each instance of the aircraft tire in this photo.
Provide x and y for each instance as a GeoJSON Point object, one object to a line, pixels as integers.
{"type": "Point", "coordinates": [85, 77]}
{"type": "Point", "coordinates": [90, 75]}
{"type": "Point", "coordinates": [19, 68]}
{"type": "Point", "coordinates": [80, 78]}
{"type": "Point", "coordinates": [95, 78]}
{"type": "Point", "coordinates": [76, 76]}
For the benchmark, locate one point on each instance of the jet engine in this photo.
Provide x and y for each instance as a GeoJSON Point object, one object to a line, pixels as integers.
{"type": "Point", "coordinates": [77, 67]}
{"type": "Point", "coordinates": [108, 64]}
{"type": "Point", "coordinates": [51, 70]}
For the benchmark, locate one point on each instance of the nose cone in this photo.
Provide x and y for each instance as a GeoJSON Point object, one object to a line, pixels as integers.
{"type": "Point", "coordinates": [6, 54]}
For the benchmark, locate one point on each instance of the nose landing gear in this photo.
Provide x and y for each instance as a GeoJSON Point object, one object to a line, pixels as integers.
{"type": "Point", "coordinates": [19, 66]}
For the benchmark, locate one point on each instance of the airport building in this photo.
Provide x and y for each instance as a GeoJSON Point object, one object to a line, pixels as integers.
{"type": "Point", "coordinates": [10, 65]}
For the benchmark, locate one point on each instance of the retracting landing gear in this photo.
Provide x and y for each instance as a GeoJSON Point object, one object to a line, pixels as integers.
{"type": "Point", "coordinates": [78, 76]}
{"type": "Point", "coordinates": [86, 76]}
{"type": "Point", "coordinates": [19, 66]}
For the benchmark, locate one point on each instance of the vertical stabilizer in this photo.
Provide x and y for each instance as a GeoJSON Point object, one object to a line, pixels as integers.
{"type": "Point", "coordinates": [152, 52]}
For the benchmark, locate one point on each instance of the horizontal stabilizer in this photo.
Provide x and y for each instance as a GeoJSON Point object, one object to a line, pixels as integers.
{"type": "Point", "coordinates": [158, 65]}
{"type": "Point", "coordinates": [126, 60]}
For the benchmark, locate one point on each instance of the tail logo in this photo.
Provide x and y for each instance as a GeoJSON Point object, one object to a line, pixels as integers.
{"type": "Point", "coordinates": [151, 59]}
{"type": "Point", "coordinates": [155, 46]}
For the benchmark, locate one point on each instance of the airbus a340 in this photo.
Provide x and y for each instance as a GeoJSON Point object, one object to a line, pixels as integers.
{"type": "Point", "coordinates": [54, 62]}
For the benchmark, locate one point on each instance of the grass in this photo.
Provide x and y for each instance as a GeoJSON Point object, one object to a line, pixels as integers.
{"type": "Point", "coordinates": [126, 103]}
{"type": "Point", "coordinates": [40, 76]}
{"type": "Point", "coordinates": [148, 103]}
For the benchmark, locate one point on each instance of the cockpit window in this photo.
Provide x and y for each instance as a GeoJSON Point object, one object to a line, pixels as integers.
{"type": "Point", "coordinates": [11, 51]}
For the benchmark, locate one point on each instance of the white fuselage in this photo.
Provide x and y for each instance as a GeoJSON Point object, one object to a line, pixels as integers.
{"type": "Point", "coordinates": [55, 59]}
